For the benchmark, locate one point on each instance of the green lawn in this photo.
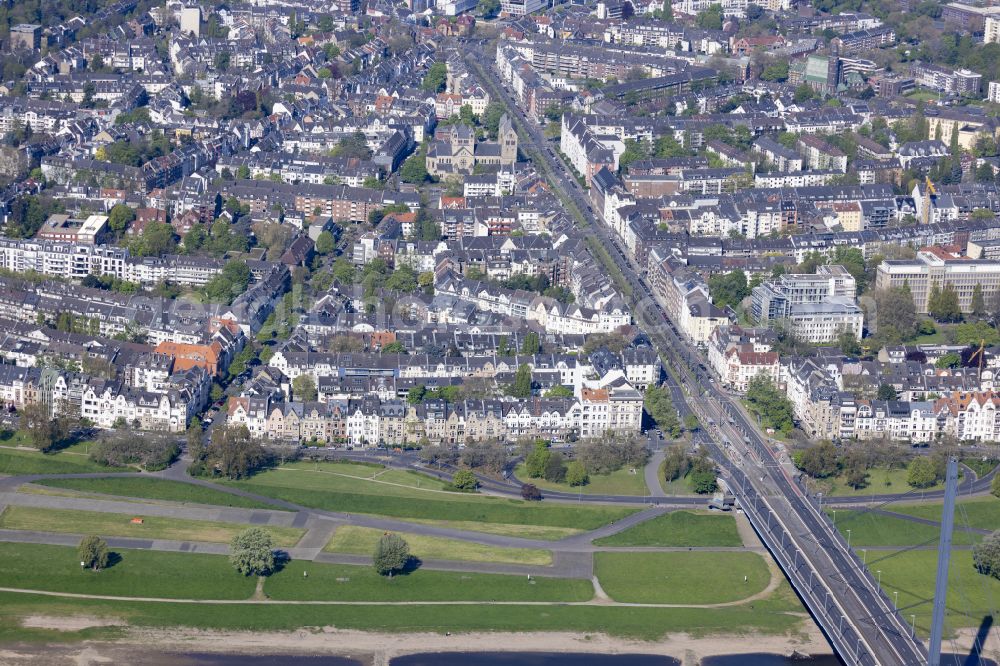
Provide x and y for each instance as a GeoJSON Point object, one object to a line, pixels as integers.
{"type": "Point", "coordinates": [779, 615]}
{"type": "Point", "coordinates": [677, 487]}
{"type": "Point", "coordinates": [524, 531]}
{"type": "Point", "coordinates": [971, 596]}
{"type": "Point", "coordinates": [145, 487]}
{"type": "Point", "coordinates": [71, 521]}
{"type": "Point", "coordinates": [622, 482]}
{"type": "Point", "coordinates": [14, 462]}
{"type": "Point", "coordinates": [143, 573]}
{"type": "Point", "coordinates": [922, 95]}
{"type": "Point", "coordinates": [681, 578]}
{"type": "Point", "coordinates": [871, 529]}
{"type": "Point", "coordinates": [679, 528]}
{"type": "Point", "coordinates": [395, 493]}
{"type": "Point", "coordinates": [356, 583]}
{"type": "Point", "coordinates": [979, 512]}
{"type": "Point", "coordinates": [362, 541]}
{"type": "Point", "coordinates": [880, 481]}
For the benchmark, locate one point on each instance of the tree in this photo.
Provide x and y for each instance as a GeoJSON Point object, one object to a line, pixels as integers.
{"type": "Point", "coordinates": [661, 409]}
{"type": "Point", "coordinates": [536, 461]}
{"type": "Point", "coordinates": [414, 169]}
{"type": "Point", "coordinates": [978, 304]}
{"type": "Point", "coordinates": [942, 304]}
{"type": "Point", "coordinates": [304, 388]}
{"type": "Point", "coordinates": [93, 552]}
{"type": "Point", "coordinates": [803, 93]}
{"type": "Point", "coordinates": [728, 289]}
{"type": "Point", "coordinates": [394, 348]}
{"type": "Point", "coordinates": [119, 217]}
{"type": "Point", "coordinates": [436, 78]}
{"type": "Point", "coordinates": [848, 343]}
{"type": "Point", "coordinates": [251, 552]}
{"type": "Point", "coordinates": [886, 392]}
{"type": "Point", "coordinates": [895, 315]}
{"type": "Point", "coordinates": [922, 473]}
{"type": "Point", "coordinates": [324, 243]}
{"type": "Point", "coordinates": [949, 360]}
{"type": "Point", "coordinates": [156, 240]}
{"type": "Point", "coordinates": [489, 9]}
{"type": "Point", "coordinates": [818, 461]}
{"type": "Point", "coordinates": [41, 430]}
{"type": "Point", "coordinates": [995, 486]}
{"type": "Point", "coordinates": [531, 493]}
{"type": "Point", "coordinates": [521, 388]}
{"type": "Point", "coordinates": [465, 480]}
{"type": "Point", "coordinates": [703, 476]}
{"type": "Point", "coordinates": [711, 18]}
{"type": "Point", "coordinates": [232, 453]}
{"type": "Point", "coordinates": [392, 554]}
{"type": "Point", "coordinates": [634, 150]}
{"type": "Point", "coordinates": [531, 344]}
{"type": "Point", "coordinates": [576, 474]}
{"type": "Point", "coordinates": [559, 391]}
{"type": "Point", "coordinates": [986, 555]}
{"type": "Point", "coordinates": [856, 477]}
{"type": "Point", "coordinates": [771, 406]}
{"type": "Point", "coordinates": [776, 71]}
{"type": "Point", "coordinates": [555, 468]}
{"type": "Point", "coordinates": [676, 465]}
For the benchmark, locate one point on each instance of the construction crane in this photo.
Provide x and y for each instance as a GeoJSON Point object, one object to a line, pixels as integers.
{"type": "Point", "coordinates": [979, 353]}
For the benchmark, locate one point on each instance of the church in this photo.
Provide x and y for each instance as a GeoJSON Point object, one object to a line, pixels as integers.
{"type": "Point", "coordinates": [456, 151]}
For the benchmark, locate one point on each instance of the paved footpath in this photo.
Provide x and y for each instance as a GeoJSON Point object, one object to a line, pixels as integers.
{"type": "Point", "coordinates": [652, 474]}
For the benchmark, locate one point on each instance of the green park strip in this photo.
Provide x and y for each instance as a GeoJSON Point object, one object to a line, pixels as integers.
{"type": "Point", "coordinates": [523, 531]}
{"type": "Point", "coordinates": [880, 481]}
{"type": "Point", "coordinates": [780, 614]}
{"type": "Point", "coordinates": [980, 512]}
{"type": "Point", "coordinates": [362, 541]}
{"type": "Point", "coordinates": [679, 529]}
{"type": "Point", "coordinates": [681, 578]}
{"type": "Point", "coordinates": [331, 582]}
{"type": "Point", "coordinates": [168, 575]}
{"type": "Point", "coordinates": [150, 488]}
{"type": "Point", "coordinates": [971, 595]}
{"type": "Point", "coordinates": [139, 573]}
{"type": "Point", "coordinates": [676, 488]}
{"type": "Point", "coordinates": [329, 490]}
{"type": "Point", "coordinates": [355, 477]}
{"type": "Point", "coordinates": [621, 482]}
{"type": "Point", "coordinates": [873, 529]}
{"type": "Point", "coordinates": [14, 462]}
{"type": "Point", "coordinates": [71, 521]}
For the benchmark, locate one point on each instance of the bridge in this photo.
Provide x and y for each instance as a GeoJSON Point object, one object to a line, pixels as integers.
{"type": "Point", "coordinates": [861, 622]}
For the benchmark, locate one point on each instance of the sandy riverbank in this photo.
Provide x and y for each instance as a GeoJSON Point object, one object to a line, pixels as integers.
{"type": "Point", "coordinates": [376, 649]}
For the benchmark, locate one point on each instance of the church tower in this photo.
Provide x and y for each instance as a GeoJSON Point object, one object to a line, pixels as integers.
{"type": "Point", "coordinates": [508, 142]}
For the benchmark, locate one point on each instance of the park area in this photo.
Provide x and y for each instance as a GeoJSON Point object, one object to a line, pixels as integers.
{"type": "Point", "coordinates": [375, 490]}
{"type": "Point", "coordinates": [898, 543]}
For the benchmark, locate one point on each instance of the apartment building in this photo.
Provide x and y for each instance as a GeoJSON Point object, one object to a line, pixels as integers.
{"type": "Point", "coordinates": [776, 299]}
{"type": "Point", "coordinates": [935, 266]}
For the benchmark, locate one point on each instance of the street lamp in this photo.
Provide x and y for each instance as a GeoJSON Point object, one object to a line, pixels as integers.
{"type": "Point", "coordinates": [913, 625]}
{"type": "Point", "coordinates": [864, 556]}
{"type": "Point", "coordinates": [896, 604]}
{"type": "Point", "coordinates": [879, 572]}
{"type": "Point", "coordinates": [834, 517]}
{"type": "Point", "coordinates": [848, 539]}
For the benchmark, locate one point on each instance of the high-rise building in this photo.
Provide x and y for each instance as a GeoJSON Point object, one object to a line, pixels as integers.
{"type": "Point", "coordinates": [191, 20]}
{"type": "Point", "coordinates": [26, 36]}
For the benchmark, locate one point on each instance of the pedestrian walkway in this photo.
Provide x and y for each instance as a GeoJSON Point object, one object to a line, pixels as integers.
{"type": "Point", "coordinates": [652, 473]}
